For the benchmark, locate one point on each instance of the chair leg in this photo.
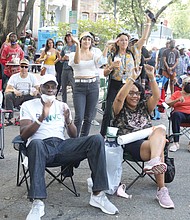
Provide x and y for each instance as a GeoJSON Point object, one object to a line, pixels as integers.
{"type": "Point", "coordinates": [25, 172]}
{"type": "Point", "coordinates": [141, 174]}
{"type": "Point", "coordinates": [61, 180]}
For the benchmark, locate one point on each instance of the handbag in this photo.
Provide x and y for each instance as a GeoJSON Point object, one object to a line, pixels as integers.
{"type": "Point", "coordinates": [43, 71]}
{"type": "Point", "coordinates": [170, 172]}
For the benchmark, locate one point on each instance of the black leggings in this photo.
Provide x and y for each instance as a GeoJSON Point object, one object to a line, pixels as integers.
{"type": "Point", "coordinates": [113, 88]}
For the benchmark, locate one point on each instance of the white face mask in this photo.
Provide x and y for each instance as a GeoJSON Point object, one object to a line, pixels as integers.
{"type": "Point", "coordinates": [48, 98]}
{"type": "Point", "coordinates": [60, 47]}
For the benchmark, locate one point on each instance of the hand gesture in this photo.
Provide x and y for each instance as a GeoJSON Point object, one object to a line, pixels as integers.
{"type": "Point", "coordinates": [46, 108]}
{"type": "Point", "coordinates": [17, 93]}
{"type": "Point", "coordinates": [136, 71]}
{"type": "Point", "coordinates": [181, 99]}
{"type": "Point", "coordinates": [149, 71]}
{"type": "Point", "coordinates": [67, 116]}
{"type": "Point", "coordinates": [75, 40]}
{"type": "Point", "coordinates": [110, 42]}
{"type": "Point", "coordinates": [116, 63]}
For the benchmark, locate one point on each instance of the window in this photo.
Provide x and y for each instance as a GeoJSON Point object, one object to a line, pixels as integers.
{"type": "Point", "coordinates": [84, 16]}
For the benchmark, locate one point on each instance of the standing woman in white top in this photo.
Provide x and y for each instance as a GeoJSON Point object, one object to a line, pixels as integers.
{"type": "Point", "coordinates": [86, 90]}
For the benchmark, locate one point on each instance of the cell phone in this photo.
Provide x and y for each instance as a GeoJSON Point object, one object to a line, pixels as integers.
{"type": "Point", "coordinates": [150, 15]}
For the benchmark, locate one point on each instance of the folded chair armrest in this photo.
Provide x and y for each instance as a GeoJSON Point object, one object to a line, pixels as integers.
{"type": "Point", "coordinates": [17, 142]}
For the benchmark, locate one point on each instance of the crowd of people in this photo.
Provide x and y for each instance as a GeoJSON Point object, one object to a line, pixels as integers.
{"type": "Point", "coordinates": [130, 70]}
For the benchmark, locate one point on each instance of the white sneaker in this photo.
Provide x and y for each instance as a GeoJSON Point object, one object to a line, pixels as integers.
{"type": "Point", "coordinates": [37, 210]}
{"type": "Point", "coordinates": [95, 123]}
{"type": "Point", "coordinates": [174, 147]}
{"type": "Point", "coordinates": [101, 201]}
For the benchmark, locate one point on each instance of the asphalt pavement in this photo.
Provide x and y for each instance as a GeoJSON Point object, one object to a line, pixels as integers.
{"type": "Point", "coordinates": [63, 205]}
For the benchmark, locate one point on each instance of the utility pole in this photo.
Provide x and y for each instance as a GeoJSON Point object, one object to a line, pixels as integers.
{"type": "Point", "coordinates": [74, 16]}
{"type": "Point", "coordinates": [115, 9]}
{"type": "Point", "coordinates": [75, 4]}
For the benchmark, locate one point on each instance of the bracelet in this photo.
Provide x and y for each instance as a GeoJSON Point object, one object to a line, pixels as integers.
{"type": "Point", "coordinates": [152, 80]}
{"type": "Point", "coordinates": [69, 123]}
{"type": "Point", "coordinates": [130, 78]}
{"type": "Point", "coordinates": [148, 24]}
{"type": "Point", "coordinates": [38, 122]}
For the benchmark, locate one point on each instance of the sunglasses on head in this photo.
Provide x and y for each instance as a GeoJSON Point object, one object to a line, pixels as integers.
{"type": "Point", "coordinates": [24, 67]}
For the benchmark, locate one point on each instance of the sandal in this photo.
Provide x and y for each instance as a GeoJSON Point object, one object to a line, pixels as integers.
{"type": "Point", "coordinates": [156, 169]}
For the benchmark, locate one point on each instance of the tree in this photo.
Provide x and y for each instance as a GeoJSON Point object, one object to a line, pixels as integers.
{"type": "Point", "coordinates": [8, 17]}
{"type": "Point", "coordinates": [104, 29]}
{"type": "Point", "coordinates": [180, 20]}
{"type": "Point", "coordinates": [131, 11]}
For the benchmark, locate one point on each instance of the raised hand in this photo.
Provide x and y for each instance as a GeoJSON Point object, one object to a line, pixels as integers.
{"type": "Point", "coordinates": [149, 71]}
{"type": "Point", "coordinates": [136, 71]}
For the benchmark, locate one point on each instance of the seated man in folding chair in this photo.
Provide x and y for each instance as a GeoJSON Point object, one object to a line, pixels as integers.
{"type": "Point", "coordinates": [42, 123]}
{"type": "Point", "coordinates": [132, 113]}
{"type": "Point", "coordinates": [21, 87]}
{"type": "Point", "coordinates": [180, 101]}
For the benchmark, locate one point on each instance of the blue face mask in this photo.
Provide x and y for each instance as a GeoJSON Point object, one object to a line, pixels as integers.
{"type": "Point", "coordinates": [60, 47]}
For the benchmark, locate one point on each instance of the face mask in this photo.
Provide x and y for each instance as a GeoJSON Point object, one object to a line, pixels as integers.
{"type": "Point", "coordinates": [187, 88]}
{"type": "Point", "coordinates": [48, 98]}
{"type": "Point", "coordinates": [60, 47]}
{"type": "Point", "coordinates": [13, 42]}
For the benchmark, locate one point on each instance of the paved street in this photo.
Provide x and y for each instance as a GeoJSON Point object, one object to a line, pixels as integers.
{"type": "Point", "coordinates": [62, 205]}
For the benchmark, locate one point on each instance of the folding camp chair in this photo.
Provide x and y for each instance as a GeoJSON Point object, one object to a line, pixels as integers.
{"type": "Point", "coordinates": [103, 94]}
{"type": "Point", "coordinates": [184, 128]}
{"type": "Point", "coordinates": [2, 127]}
{"type": "Point", "coordinates": [2, 131]}
{"type": "Point", "coordinates": [23, 173]}
{"type": "Point", "coordinates": [137, 166]}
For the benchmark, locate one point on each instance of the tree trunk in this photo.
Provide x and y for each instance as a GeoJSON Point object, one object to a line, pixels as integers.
{"type": "Point", "coordinates": [8, 17]}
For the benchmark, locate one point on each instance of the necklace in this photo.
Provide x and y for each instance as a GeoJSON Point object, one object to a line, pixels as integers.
{"type": "Point", "coordinates": [123, 62]}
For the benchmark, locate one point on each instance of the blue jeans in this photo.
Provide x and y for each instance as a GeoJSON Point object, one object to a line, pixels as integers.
{"type": "Point", "coordinates": [56, 152]}
{"type": "Point", "coordinates": [85, 98]}
{"type": "Point", "coordinates": [178, 118]}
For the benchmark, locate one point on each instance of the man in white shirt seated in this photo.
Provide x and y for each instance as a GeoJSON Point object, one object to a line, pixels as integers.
{"type": "Point", "coordinates": [43, 122]}
{"type": "Point", "coordinates": [21, 87]}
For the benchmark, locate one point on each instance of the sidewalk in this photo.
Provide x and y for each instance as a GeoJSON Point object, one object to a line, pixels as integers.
{"type": "Point", "coordinates": [63, 205]}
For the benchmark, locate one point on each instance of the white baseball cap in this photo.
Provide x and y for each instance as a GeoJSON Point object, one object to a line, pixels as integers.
{"type": "Point", "coordinates": [48, 78]}
{"type": "Point", "coordinates": [28, 31]}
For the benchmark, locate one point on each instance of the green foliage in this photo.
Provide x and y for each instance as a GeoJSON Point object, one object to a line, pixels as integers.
{"type": "Point", "coordinates": [179, 19]}
{"type": "Point", "coordinates": [104, 29]}
{"type": "Point", "coordinates": [63, 28]}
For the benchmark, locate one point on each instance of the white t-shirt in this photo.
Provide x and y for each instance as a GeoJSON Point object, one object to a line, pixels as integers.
{"type": "Point", "coordinates": [53, 125]}
{"type": "Point", "coordinates": [24, 85]}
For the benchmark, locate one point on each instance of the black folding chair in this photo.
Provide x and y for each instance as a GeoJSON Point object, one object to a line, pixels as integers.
{"type": "Point", "coordinates": [184, 128]}
{"type": "Point", "coordinates": [137, 166]}
{"type": "Point", "coordinates": [23, 173]}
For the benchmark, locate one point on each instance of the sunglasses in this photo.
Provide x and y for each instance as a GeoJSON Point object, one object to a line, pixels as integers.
{"type": "Point", "coordinates": [24, 67]}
